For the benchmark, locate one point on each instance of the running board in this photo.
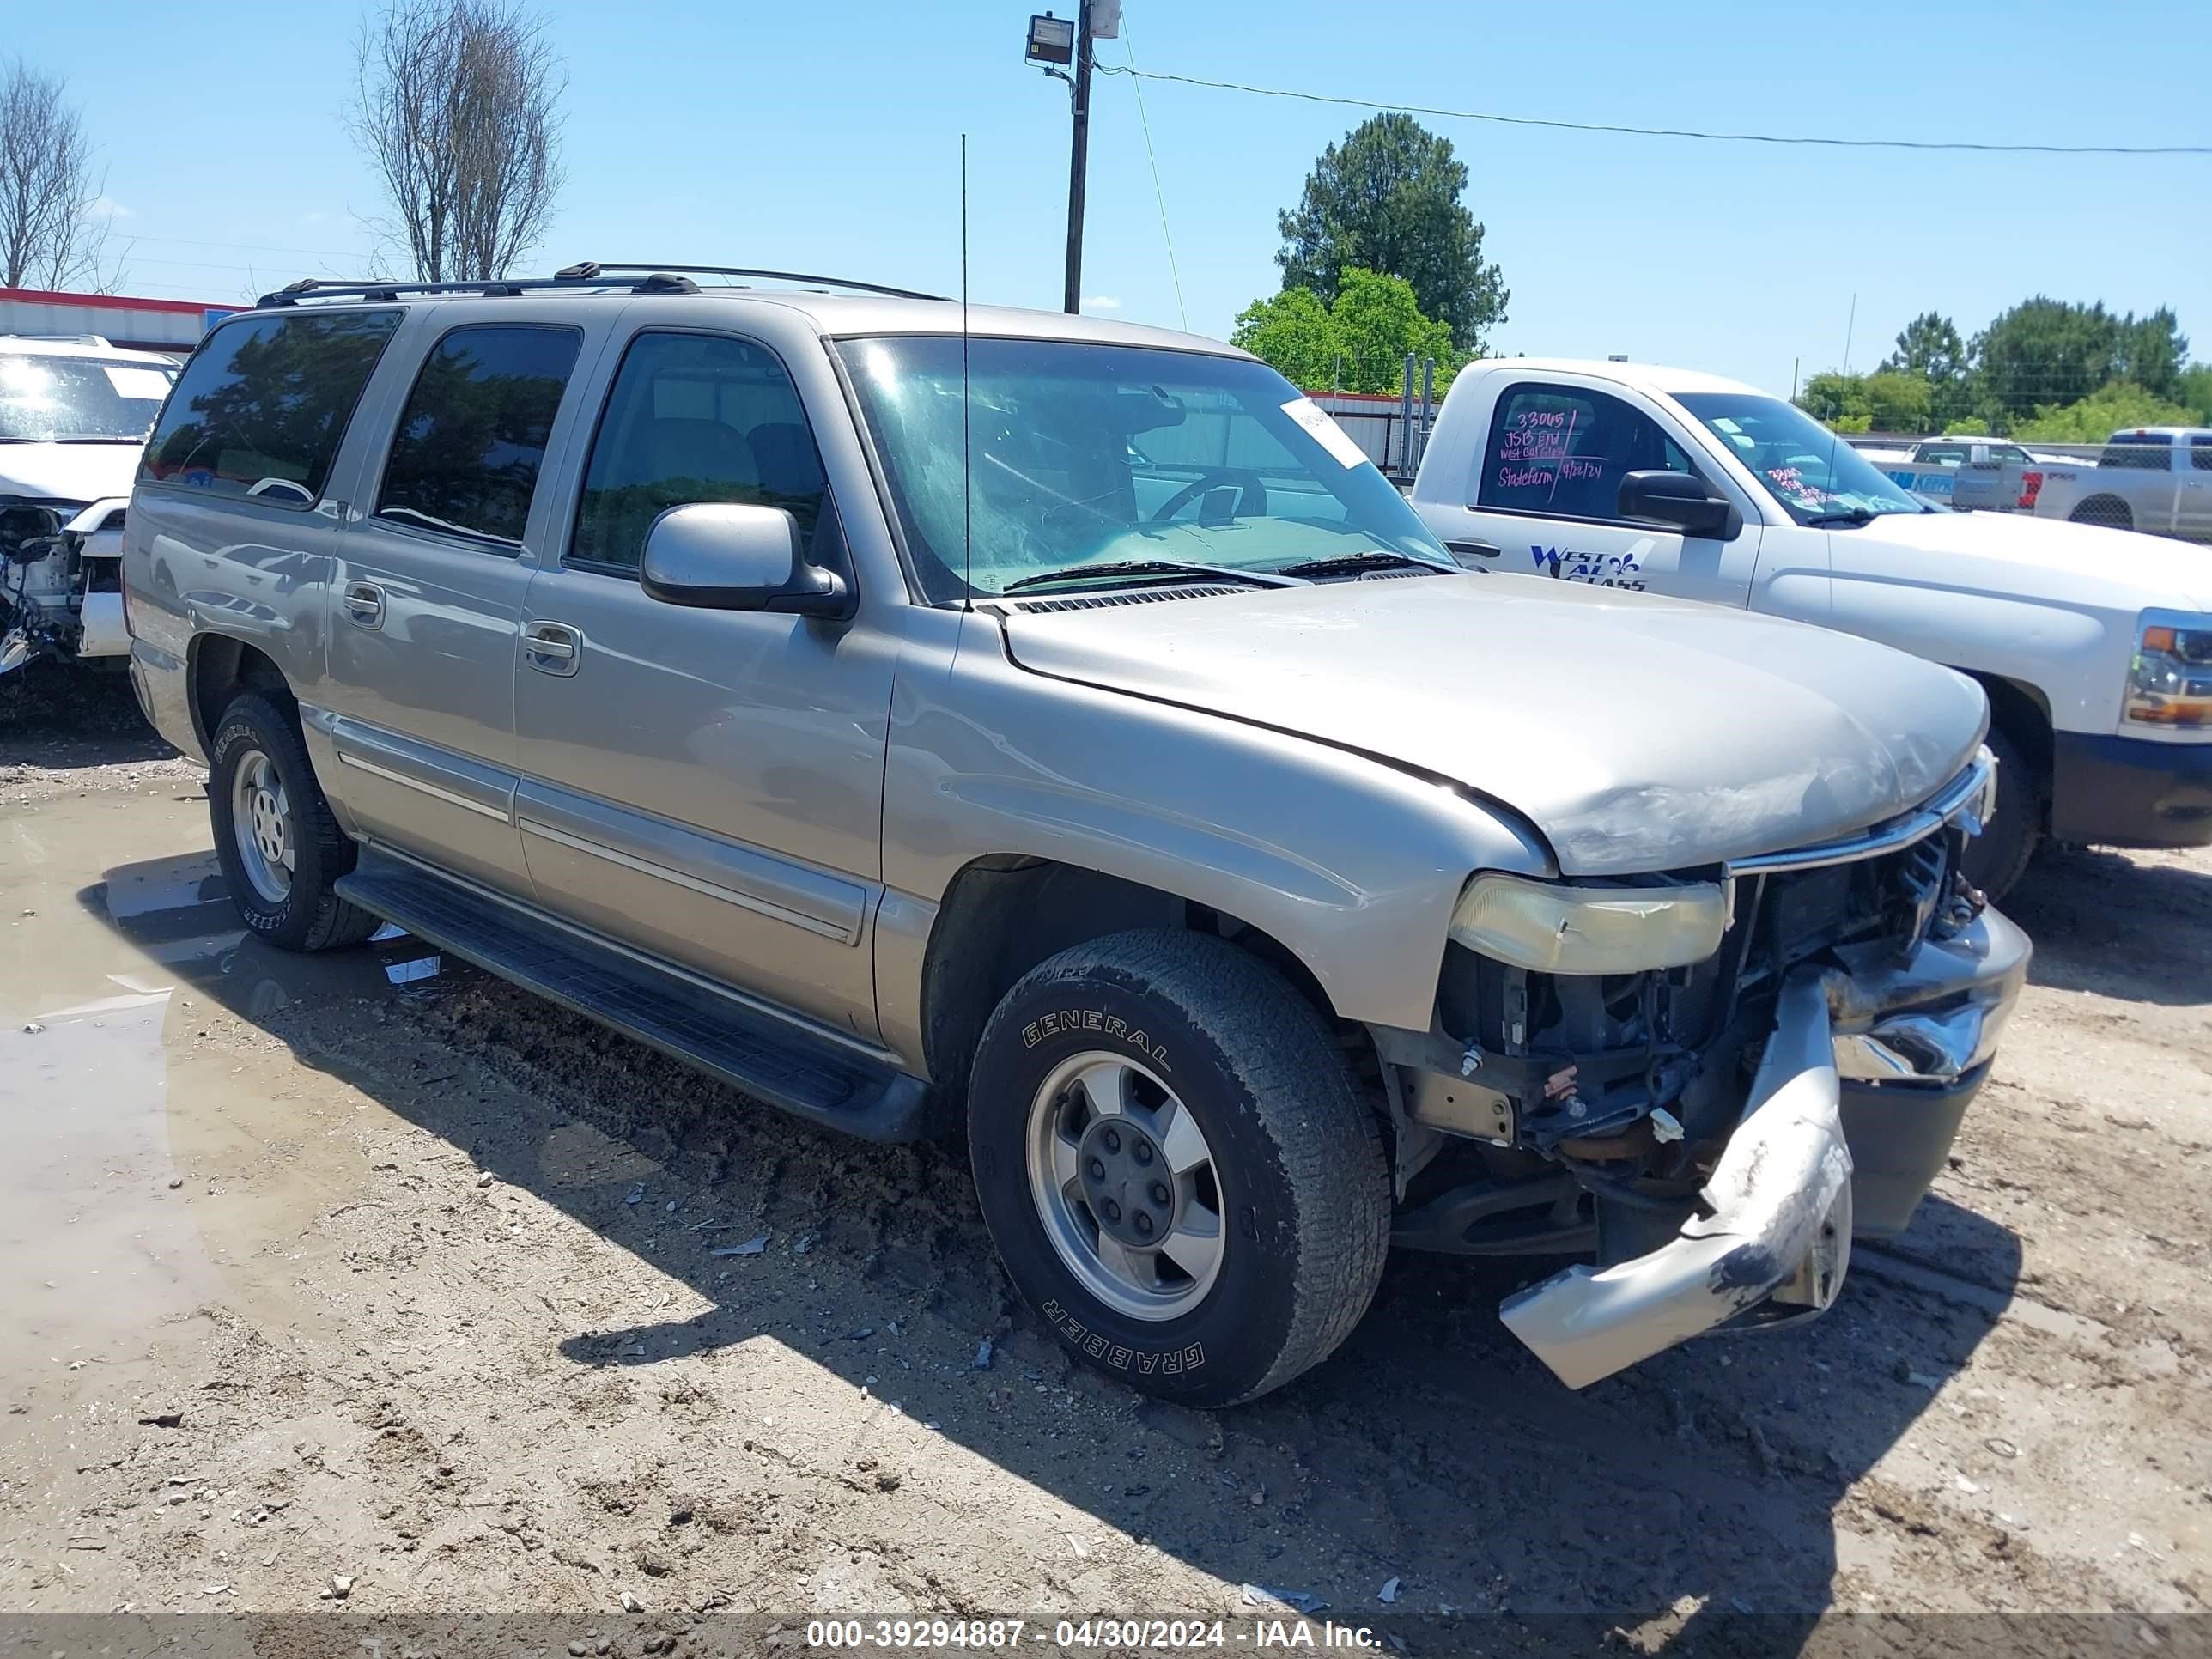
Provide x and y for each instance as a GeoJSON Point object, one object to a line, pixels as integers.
{"type": "Point", "coordinates": [753, 1051]}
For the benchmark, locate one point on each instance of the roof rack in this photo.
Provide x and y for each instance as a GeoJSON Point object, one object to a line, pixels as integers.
{"type": "Point", "coordinates": [355, 288]}
{"type": "Point", "coordinates": [638, 278]}
{"type": "Point", "coordinates": [589, 269]}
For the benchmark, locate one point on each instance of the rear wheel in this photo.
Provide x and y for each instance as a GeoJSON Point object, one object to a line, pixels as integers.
{"type": "Point", "coordinates": [2106, 510]}
{"type": "Point", "coordinates": [280, 848]}
{"type": "Point", "coordinates": [1175, 1166]}
{"type": "Point", "coordinates": [1995, 860]}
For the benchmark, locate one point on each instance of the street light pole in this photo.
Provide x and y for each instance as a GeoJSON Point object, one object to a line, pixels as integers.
{"type": "Point", "coordinates": [1078, 160]}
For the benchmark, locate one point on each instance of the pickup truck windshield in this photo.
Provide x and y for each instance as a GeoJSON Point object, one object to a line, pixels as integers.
{"type": "Point", "coordinates": [1815, 474]}
{"type": "Point", "coordinates": [78, 400]}
{"type": "Point", "coordinates": [1082, 454]}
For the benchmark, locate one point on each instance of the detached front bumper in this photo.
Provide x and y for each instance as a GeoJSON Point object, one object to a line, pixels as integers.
{"type": "Point", "coordinates": [1913, 1043]}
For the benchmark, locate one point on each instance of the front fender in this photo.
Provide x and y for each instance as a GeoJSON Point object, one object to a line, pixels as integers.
{"type": "Point", "coordinates": [1352, 865]}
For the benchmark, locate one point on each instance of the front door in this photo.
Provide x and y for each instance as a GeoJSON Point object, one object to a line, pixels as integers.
{"type": "Point", "coordinates": [705, 785]}
{"type": "Point", "coordinates": [427, 602]}
{"type": "Point", "coordinates": [1546, 487]}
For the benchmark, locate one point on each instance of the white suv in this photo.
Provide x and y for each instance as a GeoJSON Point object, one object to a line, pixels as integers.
{"type": "Point", "coordinates": [74, 414]}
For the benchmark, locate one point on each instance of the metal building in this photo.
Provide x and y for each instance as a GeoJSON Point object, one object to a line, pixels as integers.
{"type": "Point", "coordinates": [172, 326]}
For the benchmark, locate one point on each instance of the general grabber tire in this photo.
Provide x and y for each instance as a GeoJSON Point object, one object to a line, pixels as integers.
{"type": "Point", "coordinates": [1175, 1166]}
{"type": "Point", "coordinates": [278, 845]}
{"type": "Point", "coordinates": [1996, 858]}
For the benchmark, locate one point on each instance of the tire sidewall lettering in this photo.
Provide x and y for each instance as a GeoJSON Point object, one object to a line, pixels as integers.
{"type": "Point", "coordinates": [1206, 1350]}
{"type": "Point", "coordinates": [1117, 1356]}
{"type": "Point", "coordinates": [1095, 1022]}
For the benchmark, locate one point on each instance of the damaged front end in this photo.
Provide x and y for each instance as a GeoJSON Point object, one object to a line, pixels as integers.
{"type": "Point", "coordinates": [61, 581]}
{"type": "Point", "coordinates": [1780, 1062]}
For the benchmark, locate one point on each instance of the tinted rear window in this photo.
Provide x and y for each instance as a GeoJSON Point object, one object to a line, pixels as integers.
{"type": "Point", "coordinates": [263, 405]}
{"type": "Point", "coordinates": [465, 460]}
{"type": "Point", "coordinates": [2140, 451]}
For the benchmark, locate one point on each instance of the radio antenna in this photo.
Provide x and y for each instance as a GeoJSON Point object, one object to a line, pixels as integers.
{"type": "Point", "coordinates": [967, 506]}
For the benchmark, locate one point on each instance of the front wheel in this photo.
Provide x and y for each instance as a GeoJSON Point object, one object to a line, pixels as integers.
{"type": "Point", "coordinates": [280, 849]}
{"type": "Point", "coordinates": [1995, 860]}
{"type": "Point", "coordinates": [1175, 1166]}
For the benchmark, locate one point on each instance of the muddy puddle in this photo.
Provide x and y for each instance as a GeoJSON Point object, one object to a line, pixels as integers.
{"type": "Point", "coordinates": [121, 1207]}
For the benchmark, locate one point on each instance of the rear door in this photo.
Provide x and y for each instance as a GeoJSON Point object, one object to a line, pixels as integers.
{"type": "Point", "coordinates": [706, 786]}
{"type": "Point", "coordinates": [1546, 486]}
{"type": "Point", "coordinates": [427, 596]}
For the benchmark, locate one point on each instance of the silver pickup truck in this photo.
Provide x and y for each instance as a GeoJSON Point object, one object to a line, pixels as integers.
{"type": "Point", "coordinates": [2156, 478]}
{"type": "Point", "coordinates": [1058, 730]}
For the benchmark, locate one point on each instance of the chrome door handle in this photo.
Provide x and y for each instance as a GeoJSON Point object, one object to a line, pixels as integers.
{"type": "Point", "coordinates": [552, 647]}
{"type": "Point", "coordinates": [364, 605]}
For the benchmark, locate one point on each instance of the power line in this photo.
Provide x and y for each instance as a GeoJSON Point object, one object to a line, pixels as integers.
{"type": "Point", "coordinates": [1671, 132]}
{"type": "Point", "coordinates": [1158, 195]}
{"type": "Point", "coordinates": [242, 247]}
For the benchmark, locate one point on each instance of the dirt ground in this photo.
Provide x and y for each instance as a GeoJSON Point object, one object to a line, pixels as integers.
{"type": "Point", "coordinates": [371, 1266]}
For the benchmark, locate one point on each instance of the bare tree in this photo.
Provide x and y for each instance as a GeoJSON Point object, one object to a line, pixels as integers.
{"type": "Point", "coordinates": [458, 108]}
{"type": "Point", "coordinates": [51, 234]}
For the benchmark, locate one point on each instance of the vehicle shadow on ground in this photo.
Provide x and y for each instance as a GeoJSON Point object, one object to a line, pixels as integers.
{"type": "Point", "coordinates": [67, 717]}
{"type": "Point", "coordinates": [1431, 1451]}
{"type": "Point", "coordinates": [2089, 910]}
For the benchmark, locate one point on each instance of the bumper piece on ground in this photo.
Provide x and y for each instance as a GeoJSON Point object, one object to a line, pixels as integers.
{"type": "Point", "coordinates": [1914, 1040]}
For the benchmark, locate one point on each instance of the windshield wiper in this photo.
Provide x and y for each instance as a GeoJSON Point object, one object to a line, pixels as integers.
{"type": "Point", "coordinates": [1851, 515]}
{"type": "Point", "coordinates": [1351, 564]}
{"type": "Point", "coordinates": [1150, 568]}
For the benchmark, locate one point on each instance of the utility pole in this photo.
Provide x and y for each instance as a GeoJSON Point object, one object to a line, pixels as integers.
{"type": "Point", "coordinates": [1054, 42]}
{"type": "Point", "coordinates": [1078, 160]}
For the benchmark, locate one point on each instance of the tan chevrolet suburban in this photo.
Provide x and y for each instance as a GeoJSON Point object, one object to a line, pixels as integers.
{"type": "Point", "coordinates": [928, 719]}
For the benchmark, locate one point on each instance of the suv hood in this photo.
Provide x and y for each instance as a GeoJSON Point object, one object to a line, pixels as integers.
{"type": "Point", "coordinates": [1637, 733]}
{"type": "Point", "coordinates": [68, 472]}
{"type": "Point", "coordinates": [2023, 557]}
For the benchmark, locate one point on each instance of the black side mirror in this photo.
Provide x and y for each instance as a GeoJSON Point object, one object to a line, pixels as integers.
{"type": "Point", "coordinates": [721, 556]}
{"type": "Point", "coordinates": [1676, 499]}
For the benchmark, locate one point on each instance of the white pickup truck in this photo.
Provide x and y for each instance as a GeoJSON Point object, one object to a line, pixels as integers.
{"type": "Point", "coordinates": [1929, 469]}
{"type": "Point", "coordinates": [2094, 646]}
{"type": "Point", "coordinates": [2157, 479]}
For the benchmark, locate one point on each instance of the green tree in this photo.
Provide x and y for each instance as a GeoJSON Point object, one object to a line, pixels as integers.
{"type": "Point", "coordinates": [1930, 348]}
{"type": "Point", "coordinates": [1359, 343]}
{"type": "Point", "coordinates": [2043, 353]}
{"type": "Point", "coordinates": [2151, 351]}
{"type": "Point", "coordinates": [1291, 331]}
{"type": "Point", "coordinates": [2194, 391]}
{"type": "Point", "coordinates": [1898, 401]}
{"type": "Point", "coordinates": [1388, 199]}
{"type": "Point", "coordinates": [1378, 322]}
{"type": "Point", "coordinates": [2111, 407]}
{"type": "Point", "coordinates": [1832, 395]}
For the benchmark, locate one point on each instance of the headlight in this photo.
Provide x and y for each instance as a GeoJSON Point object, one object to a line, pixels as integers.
{"type": "Point", "coordinates": [2170, 681]}
{"type": "Point", "coordinates": [1557, 929]}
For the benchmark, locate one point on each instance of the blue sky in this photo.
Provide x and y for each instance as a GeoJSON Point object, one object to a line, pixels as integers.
{"type": "Point", "coordinates": [825, 137]}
